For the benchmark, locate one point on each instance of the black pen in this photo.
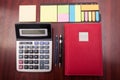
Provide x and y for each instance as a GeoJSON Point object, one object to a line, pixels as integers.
{"type": "Point", "coordinates": [60, 49]}
{"type": "Point", "coordinates": [56, 50]}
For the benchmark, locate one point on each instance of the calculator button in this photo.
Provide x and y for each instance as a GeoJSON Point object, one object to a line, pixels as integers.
{"type": "Point", "coordinates": [31, 47]}
{"type": "Point", "coordinates": [46, 47]}
{"type": "Point", "coordinates": [20, 51]}
{"type": "Point", "coordinates": [20, 66]}
{"type": "Point", "coordinates": [36, 43]}
{"type": "Point", "coordinates": [46, 67]}
{"type": "Point", "coordinates": [42, 66]}
{"type": "Point", "coordinates": [35, 51]}
{"type": "Point", "coordinates": [41, 61]}
{"type": "Point", "coordinates": [41, 51]}
{"type": "Point", "coordinates": [30, 66]}
{"type": "Point", "coordinates": [30, 51]}
{"type": "Point", "coordinates": [36, 47]}
{"type": "Point", "coordinates": [46, 43]}
{"type": "Point", "coordinates": [41, 43]}
{"type": "Point", "coordinates": [41, 47]}
{"type": "Point", "coordinates": [46, 56]}
{"type": "Point", "coordinates": [36, 56]}
{"type": "Point", "coordinates": [35, 61]}
{"type": "Point", "coordinates": [26, 47]}
{"type": "Point", "coordinates": [31, 56]}
{"type": "Point", "coordinates": [41, 56]}
{"type": "Point", "coordinates": [20, 61]}
{"type": "Point", "coordinates": [26, 66]}
{"type": "Point", "coordinates": [35, 66]}
{"type": "Point", "coordinates": [46, 51]}
{"type": "Point", "coordinates": [26, 51]}
{"type": "Point", "coordinates": [30, 61]}
{"type": "Point", "coordinates": [20, 47]}
{"type": "Point", "coordinates": [26, 56]}
{"type": "Point", "coordinates": [25, 61]}
{"type": "Point", "coordinates": [46, 61]}
{"type": "Point", "coordinates": [20, 56]}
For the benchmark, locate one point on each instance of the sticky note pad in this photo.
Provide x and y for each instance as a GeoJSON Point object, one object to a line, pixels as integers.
{"type": "Point", "coordinates": [63, 13]}
{"type": "Point", "coordinates": [48, 13]}
{"type": "Point", "coordinates": [90, 7]}
{"type": "Point", "coordinates": [27, 13]}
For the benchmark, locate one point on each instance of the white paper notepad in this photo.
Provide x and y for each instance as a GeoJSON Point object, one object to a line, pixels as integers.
{"type": "Point", "coordinates": [27, 13]}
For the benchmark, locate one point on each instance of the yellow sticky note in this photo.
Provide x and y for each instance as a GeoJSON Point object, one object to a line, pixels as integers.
{"type": "Point", "coordinates": [82, 16]}
{"type": "Point", "coordinates": [90, 16]}
{"type": "Point", "coordinates": [93, 16]}
{"type": "Point", "coordinates": [27, 13]}
{"type": "Point", "coordinates": [77, 13]}
{"type": "Point", "coordinates": [90, 7]}
{"type": "Point", "coordinates": [48, 13]}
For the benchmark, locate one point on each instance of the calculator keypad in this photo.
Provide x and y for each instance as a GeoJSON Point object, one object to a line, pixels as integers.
{"type": "Point", "coordinates": [34, 56]}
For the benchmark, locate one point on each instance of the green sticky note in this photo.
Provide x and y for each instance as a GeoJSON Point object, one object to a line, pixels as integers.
{"type": "Point", "coordinates": [63, 9]}
{"type": "Point", "coordinates": [48, 13]}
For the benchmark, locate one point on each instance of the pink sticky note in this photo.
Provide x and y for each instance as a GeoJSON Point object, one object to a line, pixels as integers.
{"type": "Point", "coordinates": [63, 17]}
{"type": "Point", "coordinates": [86, 16]}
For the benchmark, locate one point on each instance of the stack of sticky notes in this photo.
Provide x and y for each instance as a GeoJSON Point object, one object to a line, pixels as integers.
{"type": "Point", "coordinates": [27, 13]}
{"type": "Point", "coordinates": [70, 13]}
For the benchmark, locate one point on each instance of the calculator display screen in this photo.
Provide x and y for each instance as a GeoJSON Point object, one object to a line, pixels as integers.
{"type": "Point", "coordinates": [33, 32]}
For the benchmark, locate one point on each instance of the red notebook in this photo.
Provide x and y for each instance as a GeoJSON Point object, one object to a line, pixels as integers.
{"type": "Point", "coordinates": [83, 49]}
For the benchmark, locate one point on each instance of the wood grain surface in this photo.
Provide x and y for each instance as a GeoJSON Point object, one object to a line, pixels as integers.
{"type": "Point", "coordinates": [9, 15]}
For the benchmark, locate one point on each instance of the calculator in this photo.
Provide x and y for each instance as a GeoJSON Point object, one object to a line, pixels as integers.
{"type": "Point", "coordinates": [33, 47]}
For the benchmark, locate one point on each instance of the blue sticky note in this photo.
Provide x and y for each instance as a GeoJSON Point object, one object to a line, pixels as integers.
{"type": "Point", "coordinates": [97, 16]}
{"type": "Point", "coordinates": [72, 13]}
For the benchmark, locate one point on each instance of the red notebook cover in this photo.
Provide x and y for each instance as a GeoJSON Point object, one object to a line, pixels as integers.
{"type": "Point", "coordinates": [83, 49]}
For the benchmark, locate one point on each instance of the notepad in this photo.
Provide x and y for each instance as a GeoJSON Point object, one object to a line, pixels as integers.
{"type": "Point", "coordinates": [48, 13]}
{"type": "Point", "coordinates": [83, 49]}
{"type": "Point", "coordinates": [27, 13]}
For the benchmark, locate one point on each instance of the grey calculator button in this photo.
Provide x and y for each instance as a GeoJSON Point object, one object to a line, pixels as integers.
{"type": "Point", "coordinates": [31, 56]}
{"type": "Point", "coordinates": [46, 61]}
{"type": "Point", "coordinates": [36, 47]}
{"type": "Point", "coordinates": [41, 47]}
{"type": "Point", "coordinates": [46, 67]}
{"type": "Point", "coordinates": [42, 67]}
{"type": "Point", "coordinates": [46, 51]}
{"type": "Point", "coordinates": [26, 66]}
{"type": "Point", "coordinates": [26, 61]}
{"type": "Point", "coordinates": [35, 66]}
{"type": "Point", "coordinates": [30, 51]}
{"type": "Point", "coordinates": [26, 51]}
{"type": "Point", "coordinates": [42, 64]}
{"type": "Point", "coordinates": [26, 56]}
{"type": "Point", "coordinates": [41, 61]}
{"type": "Point", "coordinates": [20, 47]}
{"type": "Point", "coordinates": [20, 56]}
{"type": "Point", "coordinates": [26, 47]}
{"type": "Point", "coordinates": [35, 61]}
{"type": "Point", "coordinates": [41, 56]}
{"type": "Point", "coordinates": [30, 66]}
{"type": "Point", "coordinates": [30, 61]}
{"type": "Point", "coordinates": [46, 43]}
{"type": "Point", "coordinates": [41, 51]}
{"type": "Point", "coordinates": [35, 51]}
{"type": "Point", "coordinates": [20, 51]}
{"type": "Point", "coordinates": [46, 56]}
{"type": "Point", "coordinates": [35, 56]}
{"type": "Point", "coordinates": [46, 47]}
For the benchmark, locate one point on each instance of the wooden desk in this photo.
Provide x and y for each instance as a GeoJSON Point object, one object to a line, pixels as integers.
{"type": "Point", "coordinates": [9, 10]}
